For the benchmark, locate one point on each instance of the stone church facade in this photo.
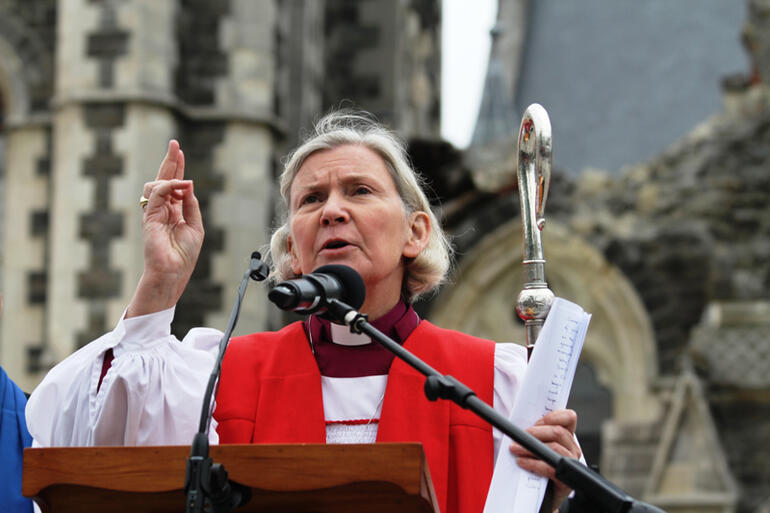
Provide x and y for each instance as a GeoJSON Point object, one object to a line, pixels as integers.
{"type": "Point", "coordinates": [671, 257]}
{"type": "Point", "coordinates": [92, 90]}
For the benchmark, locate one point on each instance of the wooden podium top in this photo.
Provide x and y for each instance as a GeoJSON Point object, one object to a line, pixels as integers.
{"type": "Point", "coordinates": [290, 478]}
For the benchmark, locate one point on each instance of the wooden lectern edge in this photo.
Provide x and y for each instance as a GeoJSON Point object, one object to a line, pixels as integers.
{"type": "Point", "coordinates": [373, 497]}
{"type": "Point", "coordinates": [161, 468]}
{"type": "Point", "coordinates": [426, 482]}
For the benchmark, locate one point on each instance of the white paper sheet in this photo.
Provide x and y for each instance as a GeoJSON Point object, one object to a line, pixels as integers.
{"type": "Point", "coordinates": [545, 388]}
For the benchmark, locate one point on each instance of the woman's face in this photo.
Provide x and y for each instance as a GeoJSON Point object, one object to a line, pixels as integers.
{"type": "Point", "coordinates": [344, 209]}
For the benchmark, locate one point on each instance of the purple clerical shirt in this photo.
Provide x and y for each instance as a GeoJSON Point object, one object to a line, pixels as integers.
{"type": "Point", "coordinates": [372, 359]}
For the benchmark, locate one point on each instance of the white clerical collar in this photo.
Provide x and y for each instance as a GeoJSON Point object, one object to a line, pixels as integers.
{"type": "Point", "coordinates": [343, 336]}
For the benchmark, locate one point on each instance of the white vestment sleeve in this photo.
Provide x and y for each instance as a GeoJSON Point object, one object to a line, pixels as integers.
{"type": "Point", "coordinates": [510, 366]}
{"type": "Point", "coordinates": [153, 391]}
{"type": "Point", "coordinates": [151, 395]}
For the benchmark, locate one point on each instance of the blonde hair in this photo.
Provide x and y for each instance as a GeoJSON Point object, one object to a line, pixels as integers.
{"type": "Point", "coordinates": [423, 273]}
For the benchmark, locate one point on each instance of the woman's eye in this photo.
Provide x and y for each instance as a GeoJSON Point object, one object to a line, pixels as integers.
{"type": "Point", "coordinates": [362, 190]}
{"type": "Point", "coordinates": [310, 198]}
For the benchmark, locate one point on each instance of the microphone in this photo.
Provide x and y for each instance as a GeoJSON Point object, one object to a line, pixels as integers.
{"type": "Point", "coordinates": [312, 292]}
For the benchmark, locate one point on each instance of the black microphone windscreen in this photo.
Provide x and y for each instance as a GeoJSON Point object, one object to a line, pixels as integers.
{"type": "Point", "coordinates": [351, 281]}
{"type": "Point", "coordinates": [283, 296]}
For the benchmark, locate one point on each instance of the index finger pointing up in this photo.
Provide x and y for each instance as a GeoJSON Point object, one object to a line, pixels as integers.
{"type": "Point", "coordinates": [172, 166]}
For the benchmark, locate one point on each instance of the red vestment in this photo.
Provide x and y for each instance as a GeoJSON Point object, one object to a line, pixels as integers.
{"type": "Point", "coordinates": [270, 392]}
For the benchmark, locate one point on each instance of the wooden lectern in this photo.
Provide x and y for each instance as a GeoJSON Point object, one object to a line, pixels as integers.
{"type": "Point", "coordinates": [291, 478]}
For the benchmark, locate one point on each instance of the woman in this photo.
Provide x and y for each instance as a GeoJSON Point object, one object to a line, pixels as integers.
{"type": "Point", "coordinates": [351, 198]}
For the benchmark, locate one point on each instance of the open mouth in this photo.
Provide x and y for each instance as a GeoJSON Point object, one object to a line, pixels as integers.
{"type": "Point", "coordinates": [335, 244]}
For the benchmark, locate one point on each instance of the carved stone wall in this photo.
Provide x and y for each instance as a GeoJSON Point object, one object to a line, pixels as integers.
{"type": "Point", "coordinates": [689, 232]}
{"type": "Point", "coordinates": [27, 40]}
{"type": "Point", "coordinates": [129, 76]}
{"type": "Point", "coordinates": [386, 56]}
{"type": "Point", "coordinates": [236, 81]}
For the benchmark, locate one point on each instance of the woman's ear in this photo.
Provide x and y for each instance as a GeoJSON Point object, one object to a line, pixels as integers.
{"type": "Point", "coordinates": [295, 267]}
{"type": "Point", "coordinates": [419, 234]}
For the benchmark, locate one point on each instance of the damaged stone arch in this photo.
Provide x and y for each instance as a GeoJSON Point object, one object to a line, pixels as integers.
{"type": "Point", "coordinates": [620, 343]}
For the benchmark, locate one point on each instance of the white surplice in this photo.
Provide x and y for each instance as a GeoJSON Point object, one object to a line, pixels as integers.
{"type": "Point", "coordinates": [152, 393]}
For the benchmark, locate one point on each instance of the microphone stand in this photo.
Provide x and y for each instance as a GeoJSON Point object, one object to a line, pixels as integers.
{"type": "Point", "coordinates": [206, 484]}
{"type": "Point", "coordinates": [603, 494]}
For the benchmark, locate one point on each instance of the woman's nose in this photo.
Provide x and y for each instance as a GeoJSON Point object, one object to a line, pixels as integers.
{"type": "Point", "coordinates": [334, 211]}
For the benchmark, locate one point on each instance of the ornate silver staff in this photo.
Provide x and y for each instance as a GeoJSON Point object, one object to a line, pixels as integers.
{"type": "Point", "coordinates": [534, 170]}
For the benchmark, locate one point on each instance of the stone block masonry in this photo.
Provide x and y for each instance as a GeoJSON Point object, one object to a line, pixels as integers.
{"type": "Point", "coordinates": [100, 225]}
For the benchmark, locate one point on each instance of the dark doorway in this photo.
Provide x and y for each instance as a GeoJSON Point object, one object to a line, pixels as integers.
{"type": "Point", "coordinates": [593, 403]}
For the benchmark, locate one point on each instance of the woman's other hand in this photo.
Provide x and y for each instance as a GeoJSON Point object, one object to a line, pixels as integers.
{"type": "Point", "coordinates": [557, 431]}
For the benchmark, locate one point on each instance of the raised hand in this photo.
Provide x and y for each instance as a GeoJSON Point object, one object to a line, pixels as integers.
{"type": "Point", "coordinates": [173, 234]}
{"type": "Point", "coordinates": [556, 430]}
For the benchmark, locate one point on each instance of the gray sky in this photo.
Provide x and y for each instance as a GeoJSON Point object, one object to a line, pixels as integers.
{"type": "Point", "coordinates": [465, 50]}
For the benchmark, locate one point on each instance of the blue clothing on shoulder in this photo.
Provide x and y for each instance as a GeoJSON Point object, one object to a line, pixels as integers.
{"type": "Point", "coordinates": [14, 437]}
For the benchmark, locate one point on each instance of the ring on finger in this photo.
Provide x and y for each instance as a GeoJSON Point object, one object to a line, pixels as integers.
{"type": "Point", "coordinates": [143, 201]}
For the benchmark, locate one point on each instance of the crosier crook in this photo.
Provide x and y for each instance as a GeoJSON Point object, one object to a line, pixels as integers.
{"type": "Point", "coordinates": [534, 173]}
